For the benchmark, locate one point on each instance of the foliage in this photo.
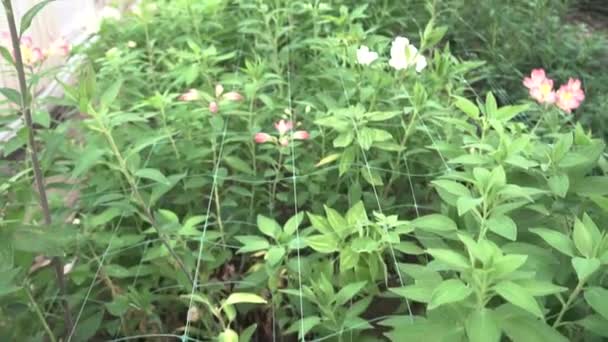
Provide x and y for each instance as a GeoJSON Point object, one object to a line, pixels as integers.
{"type": "Point", "coordinates": [406, 210]}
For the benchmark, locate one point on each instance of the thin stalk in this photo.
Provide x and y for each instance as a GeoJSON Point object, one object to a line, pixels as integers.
{"type": "Point", "coordinates": [406, 135]}
{"type": "Point", "coordinates": [39, 313]}
{"type": "Point", "coordinates": [571, 299]}
{"type": "Point", "coordinates": [38, 176]}
{"type": "Point", "coordinates": [139, 199]}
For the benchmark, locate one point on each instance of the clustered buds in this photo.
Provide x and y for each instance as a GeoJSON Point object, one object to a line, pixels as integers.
{"type": "Point", "coordinates": [283, 127]}
{"type": "Point", "coordinates": [569, 96]}
{"type": "Point", "coordinates": [33, 55]}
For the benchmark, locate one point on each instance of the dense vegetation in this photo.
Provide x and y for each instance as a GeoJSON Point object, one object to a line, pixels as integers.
{"type": "Point", "coordinates": [260, 170]}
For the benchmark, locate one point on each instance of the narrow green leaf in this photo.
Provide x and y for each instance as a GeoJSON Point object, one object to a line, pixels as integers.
{"type": "Point", "coordinates": [555, 239]}
{"type": "Point", "coordinates": [349, 291]}
{"type": "Point", "coordinates": [582, 238]}
{"type": "Point", "coordinates": [435, 223]}
{"type": "Point", "coordinates": [322, 243]}
{"type": "Point", "coordinates": [468, 107]}
{"type": "Point", "coordinates": [152, 174]}
{"type": "Point", "coordinates": [27, 18]}
{"type": "Point", "coordinates": [450, 258]}
{"type": "Point", "coordinates": [517, 295]}
{"type": "Point", "coordinates": [242, 297]}
{"type": "Point", "coordinates": [12, 95]}
{"type": "Point", "coordinates": [597, 298]}
{"type": "Point", "coordinates": [559, 184]}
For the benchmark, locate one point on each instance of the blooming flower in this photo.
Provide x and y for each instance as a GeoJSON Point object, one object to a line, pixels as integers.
{"type": "Point", "coordinates": [365, 56]}
{"type": "Point", "coordinates": [405, 55]}
{"type": "Point", "coordinates": [570, 95]}
{"type": "Point", "coordinates": [190, 95]}
{"type": "Point", "coordinates": [283, 126]}
{"type": "Point", "coordinates": [59, 47]}
{"type": "Point", "coordinates": [540, 86]}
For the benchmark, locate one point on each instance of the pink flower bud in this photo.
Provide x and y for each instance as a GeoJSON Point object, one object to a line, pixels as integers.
{"type": "Point", "coordinates": [213, 107]}
{"type": "Point", "coordinates": [233, 96]}
{"type": "Point", "coordinates": [219, 90]}
{"type": "Point", "coordinates": [59, 47]}
{"type": "Point", "coordinates": [283, 126]}
{"type": "Point", "coordinates": [284, 141]}
{"type": "Point", "coordinates": [190, 95]}
{"type": "Point", "coordinates": [262, 138]}
{"type": "Point", "coordinates": [301, 135]}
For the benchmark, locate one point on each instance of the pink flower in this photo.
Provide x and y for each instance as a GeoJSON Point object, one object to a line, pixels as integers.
{"type": "Point", "coordinates": [59, 47]}
{"type": "Point", "coordinates": [301, 135]}
{"type": "Point", "coordinates": [233, 96]}
{"type": "Point", "coordinates": [262, 138]}
{"type": "Point", "coordinates": [31, 55]}
{"type": "Point", "coordinates": [536, 78]}
{"type": "Point", "coordinates": [190, 95]}
{"type": "Point", "coordinates": [540, 86]}
{"type": "Point", "coordinates": [570, 95]}
{"type": "Point", "coordinates": [283, 126]}
{"type": "Point", "coordinates": [213, 107]}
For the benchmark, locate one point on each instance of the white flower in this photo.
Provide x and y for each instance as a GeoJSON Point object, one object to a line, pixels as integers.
{"type": "Point", "coordinates": [110, 13]}
{"type": "Point", "coordinates": [405, 55]}
{"type": "Point", "coordinates": [365, 56]}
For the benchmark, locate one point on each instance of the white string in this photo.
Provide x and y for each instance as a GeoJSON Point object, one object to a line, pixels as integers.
{"type": "Point", "coordinates": [295, 193]}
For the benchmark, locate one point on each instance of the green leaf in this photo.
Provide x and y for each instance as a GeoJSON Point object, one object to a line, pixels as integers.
{"type": "Point", "coordinates": [346, 160]}
{"type": "Point", "coordinates": [539, 288]}
{"type": "Point", "coordinates": [555, 239]}
{"type": "Point", "coordinates": [559, 184]}
{"type": "Point", "coordinates": [420, 292]}
{"type": "Point", "coordinates": [452, 187]}
{"type": "Point", "coordinates": [468, 107]}
{"type": "Point", "coordinates": [89, 157]}
{"type": "Point", "coordinates": [371, 176]}
{"type": "Point", "coordinates": [239, 165]}
{"type": "Point", "coordinates": [450, 258]}
{"type": "Point", "coordinates": [329, 159]}
{"type": "Point", "coordinates": [585, 267]}
{"type": "Point", "coordinates": [517, 295]}
{"type": "Point", "coordinates": [582, 238]}
{"type": "Point", "coordinates": [449, 291]}
{"type": "Point", "coordinates": [27, 18]}
{"type": "Point", "coordinates": [293, 223]}
{"type": "Point", "coordinates": [268, 226]}
{"type": "Point", "coordinates": [435, 223]}
{"type": "Point", "coordinates": [506, 113]}
{"type": "Point", "coordinates": [597, 298]}
{"type": "Point", "coordinates": [356, 215]}
{"type": "Point", "coordinates": [322, 243]}
{"type": "Point", "coordinates": [491, 106]}
{"type": "Point", "coordinates": [251, 243]}
{"type": "Point", "coordinates": [481, 327]}
{"type": "Point", "coordinates": [507, 264]}
{"type": "Point", "coordinates": [111, 93]}
{"type": "Point", "coordinates": [344, 139]}
{"type": "Point", "coordinates": [275, 255]}
{"type": "Point", "coordinates": [348, 292]}
{"type": "Point", "coordinates": [7, 55]}
{"type": "Point", "coordinates": [503, 226]}
{"type": "Point", "coordinates": [243, 297]}
{"type": "Point", "coordinates": [11, 95]}
{"type": "Point", "coordinates": [466, 203]}
{"type": "Point", "coordinates": [228, 335]}
{"type": "Point", "coordinates": [303, 326]}
{"type": "Point", "coordinates": [336, 221]}
{"type": "Point", "coordinates": [152, 174]}
{"type": "Point", "coordinates": [42, 118]}
{"type": "Point", "coordinates": [247, 334]}
{"type": "Point", "coordinates": [520, 326]}
{"type": "Point", "coordinates": [595, 324]}
{"type": "Point", "coordinates": [320, 223]}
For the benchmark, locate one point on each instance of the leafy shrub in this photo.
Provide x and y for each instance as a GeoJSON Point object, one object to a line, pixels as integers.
{"type": "Point", "coordinates": [383, 203]}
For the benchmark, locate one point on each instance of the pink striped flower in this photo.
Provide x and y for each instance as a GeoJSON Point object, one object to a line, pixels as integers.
{"type": "Point", "coordinates": [570, 95]}
{"type": "Point", "coordinates": [190, 95]}
{"type": "Point", "coordinates": [540, 86]}
{"type": "Point", "coordinates": [283, 126]}
{"type": "Point", "coordinates": [262, 138]}
{"type": "Point", "coordinates": [301, 135]}
{"type": "Point", "coordinates": [59, 47]}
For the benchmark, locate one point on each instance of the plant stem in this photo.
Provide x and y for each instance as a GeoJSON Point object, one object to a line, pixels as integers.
{"type": "Point", "coordinates": [39, 313]}
{"type": "Point", "coordinates": [138, 197]}
{"type": "Point", "coordinates": [38, 176]}
{"type": "Point", "coordinates": [571, 299]}
{"type": "Point", "coordinates": [406, 135]}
